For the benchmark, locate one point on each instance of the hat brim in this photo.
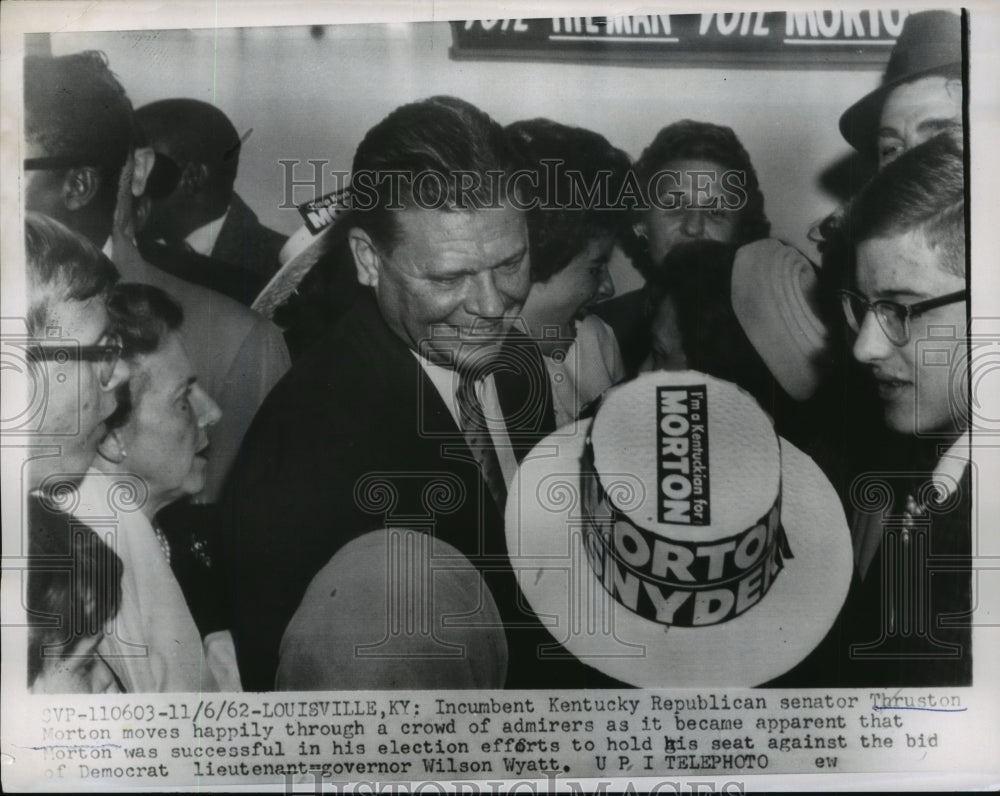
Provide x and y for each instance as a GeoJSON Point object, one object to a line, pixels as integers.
{"type": "Point", "coordinates": [299, 254]}
{"type": "Point", "coordinates": [544, 526]}
{"type": "Point", "coordinates": [859, 123]}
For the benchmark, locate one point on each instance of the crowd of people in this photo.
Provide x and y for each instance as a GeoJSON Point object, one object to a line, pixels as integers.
{"type": "Point", "coordinates": [274, 511]}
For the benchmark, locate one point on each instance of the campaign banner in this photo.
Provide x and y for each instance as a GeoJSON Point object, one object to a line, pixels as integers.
{"type": "Point", "coordinates": [782, 39]}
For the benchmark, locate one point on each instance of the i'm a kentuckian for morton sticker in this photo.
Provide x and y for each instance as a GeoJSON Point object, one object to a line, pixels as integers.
{"type": "Point", "coordinates": [676, 540]}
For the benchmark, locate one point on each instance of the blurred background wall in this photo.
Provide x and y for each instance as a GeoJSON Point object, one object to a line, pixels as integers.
{"type": "Point", "coordinates": [311, 93]}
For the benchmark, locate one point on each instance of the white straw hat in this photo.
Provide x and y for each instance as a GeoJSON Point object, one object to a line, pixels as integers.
{"type": "Point", "coordinates": [677, 540]}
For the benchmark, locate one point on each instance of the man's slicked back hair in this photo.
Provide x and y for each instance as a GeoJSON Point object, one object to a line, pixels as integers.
{"type": "Point", "coordinates": [441, 138]}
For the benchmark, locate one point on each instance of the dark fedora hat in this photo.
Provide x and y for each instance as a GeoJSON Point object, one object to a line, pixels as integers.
{"type": "Point", "coordinates": [930, 43]}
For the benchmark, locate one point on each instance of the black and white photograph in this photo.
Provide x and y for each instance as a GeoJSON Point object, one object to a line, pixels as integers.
{"type": "Point", "coordinates": [591, 396]}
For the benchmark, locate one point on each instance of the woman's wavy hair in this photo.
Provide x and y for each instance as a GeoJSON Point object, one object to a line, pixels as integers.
{"type": "Point", "coordinates": [703, 141]}
{"type": "Point", "coordinates": [579, 177]}
{"type": "Point", "coordinates": [141, 315]}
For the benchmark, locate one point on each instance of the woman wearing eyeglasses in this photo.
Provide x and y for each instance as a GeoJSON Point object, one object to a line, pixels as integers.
{"type": "Point", "coordinates": [153, 454]}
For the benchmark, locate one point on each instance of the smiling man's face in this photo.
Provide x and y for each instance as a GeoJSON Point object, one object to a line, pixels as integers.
{"type": "Point", "coordinates": [454, 281]}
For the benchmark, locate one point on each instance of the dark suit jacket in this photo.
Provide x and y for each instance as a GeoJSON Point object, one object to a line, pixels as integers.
{"type": "Point", "coordinates": [247, 244]}
{"type": "Point", "coordinates": [355, 438]}
{"type": "Point", "coordinates": [907, 621]}
{"type": "Point", "coordinates": [229, 280]}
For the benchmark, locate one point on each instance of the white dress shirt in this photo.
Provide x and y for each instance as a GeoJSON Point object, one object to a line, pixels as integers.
{"type": "Point", "coordinates": [202, 240]}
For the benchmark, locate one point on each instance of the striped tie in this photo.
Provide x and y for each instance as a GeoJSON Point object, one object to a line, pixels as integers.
{"type": "Point", "coordinates": [477, 435]}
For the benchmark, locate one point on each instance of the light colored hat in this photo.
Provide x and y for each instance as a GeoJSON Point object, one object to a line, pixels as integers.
{"type": "Point", "coordinates": [677, 540]}
{"type": "Point", "coordinates": [774, 295]}
{"type": "Point", "coordinates": [394, 609]}
{"type": "Point", "coordinates": [301, 251]}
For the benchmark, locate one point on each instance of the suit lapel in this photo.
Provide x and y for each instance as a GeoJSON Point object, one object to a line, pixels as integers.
{"type": "Point", "coordinates": [229, 245]}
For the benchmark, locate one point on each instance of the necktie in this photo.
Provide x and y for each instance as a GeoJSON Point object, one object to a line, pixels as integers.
{"type": "Point", "coordinates": [477, 436]}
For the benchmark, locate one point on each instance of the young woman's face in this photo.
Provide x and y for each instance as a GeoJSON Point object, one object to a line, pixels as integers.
{"type": "Point", "coordinates": [568, 294]}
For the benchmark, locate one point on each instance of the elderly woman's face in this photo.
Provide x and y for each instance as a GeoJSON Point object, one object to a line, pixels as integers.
{"type": "Point", "coordinates": [699, 200]}
{"type": "Point", "coordinates": [165, 437]}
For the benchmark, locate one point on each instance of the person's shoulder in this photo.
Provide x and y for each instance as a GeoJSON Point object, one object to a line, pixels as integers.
{"type": "Point", "coordinates": [342, 388]}
{"type": "Point", "coordinates": [621, 309]}
{"type": "Point", "coordinates": [595, 332]}
{"type": "Point", "coordinates": [591, 327]}
{"type": "Point", "coordinates": [247, 217]}
{"type": "Point", "coordinates": [207, 305]}
{"type": "Point", "coordinates": [597, 343]}
{"type": "Point", "coordinates": [355, 357]}
{"type": "Point", "coordinates": [236, 282]}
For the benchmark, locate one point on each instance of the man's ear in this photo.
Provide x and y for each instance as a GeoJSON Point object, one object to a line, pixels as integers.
{"type": "Point", "coordinates": [80, 186]}
{"type": "Point", "coordinates": [145, 157]}
{"type": "Point", "coordinates": [112, 447]}
{"type": "Point", "coordinates": [141, 210]}
{"type": "Point", "coordinates": [194, 178]}
{"type": "Point", "coordinates": [124, 223]}
{"type": "Point", "coordinates": [367, 260]}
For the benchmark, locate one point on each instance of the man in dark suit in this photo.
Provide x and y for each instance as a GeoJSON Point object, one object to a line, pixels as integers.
{"type": "Point", "coordinates": [244, 241]}
{"type": "Point", "coordinates": [203, 213]}
{"type": "Point", "coordinates": [415, 409]}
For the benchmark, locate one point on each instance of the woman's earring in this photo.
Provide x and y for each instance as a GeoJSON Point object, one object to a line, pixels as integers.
{"type": "Point", "coordinates": [639, 230]}
{"type": "Point", "coordinates": [111, 448]}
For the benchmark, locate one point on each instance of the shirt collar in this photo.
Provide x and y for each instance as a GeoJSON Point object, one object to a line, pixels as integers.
{"type": "Point", "coordinates": [443, 378]}
{"type": "Point", "coordinates": [951, 466]}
